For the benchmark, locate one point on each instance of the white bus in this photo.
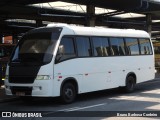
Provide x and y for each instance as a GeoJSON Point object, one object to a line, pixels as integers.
{"type": "Point", "coordinates": [64, 60]}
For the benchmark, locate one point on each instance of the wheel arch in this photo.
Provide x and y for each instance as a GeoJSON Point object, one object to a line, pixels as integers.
{"type": "Point", "coordinates": [71, 80]}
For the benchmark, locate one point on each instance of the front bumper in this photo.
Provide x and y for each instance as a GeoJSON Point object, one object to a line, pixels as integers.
{"type": "Point", "coordinates": [40, 88]}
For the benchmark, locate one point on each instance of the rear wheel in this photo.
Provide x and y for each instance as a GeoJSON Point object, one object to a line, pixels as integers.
{"type": "Point", "coordinates": [68, 93]}
{"type": "Point", "coordinates": [130, 84]}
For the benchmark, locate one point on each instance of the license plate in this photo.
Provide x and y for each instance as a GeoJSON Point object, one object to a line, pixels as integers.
{"type": "Point", "coordinates": [20, 93]}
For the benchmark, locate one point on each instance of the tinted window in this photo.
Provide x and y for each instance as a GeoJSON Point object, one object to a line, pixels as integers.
{"type": "Point", "coordinates": [132, 47]}
{"type": "Point", "coordinates": [117, 46]}
{"type": "Point", "coordinates": [145, 46]}
{"type": "Point", "coordinates": [36, 43]}
{"type": "Point", "coordinates": [66, 49]}
{"type": "Point", "coordinates": [101, 46]}
{"type": "Point", "coordinates": [35, 48]}
{"type": "Point", "coordinates": [83, 46]}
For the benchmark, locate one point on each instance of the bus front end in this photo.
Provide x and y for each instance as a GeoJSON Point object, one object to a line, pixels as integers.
{"type": "Point", "coordinates": [30, 69]}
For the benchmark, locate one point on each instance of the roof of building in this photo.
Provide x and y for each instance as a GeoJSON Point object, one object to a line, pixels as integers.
{"type": "Point", "coordinates": [21, 9]}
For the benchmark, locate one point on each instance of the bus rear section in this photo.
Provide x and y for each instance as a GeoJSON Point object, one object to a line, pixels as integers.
{"type": "Point", "coordinates": [63, 60]}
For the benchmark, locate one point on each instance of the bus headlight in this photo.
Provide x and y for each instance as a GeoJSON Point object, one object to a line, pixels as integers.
{"type": "Point", "coordinates": [43, 77]}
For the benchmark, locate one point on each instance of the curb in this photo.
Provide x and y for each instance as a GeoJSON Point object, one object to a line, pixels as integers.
{"type": "Point", "coordinates": [8, 99]}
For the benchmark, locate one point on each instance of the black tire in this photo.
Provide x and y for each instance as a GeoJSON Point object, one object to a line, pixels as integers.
{"type": "Point", "coordinates": [130, 84]}
{"type": "Point", "coordinates": [68, 93]}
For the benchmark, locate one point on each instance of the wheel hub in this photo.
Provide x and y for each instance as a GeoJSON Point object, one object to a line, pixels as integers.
{"type": "Point", "coordinates": [68, 93]}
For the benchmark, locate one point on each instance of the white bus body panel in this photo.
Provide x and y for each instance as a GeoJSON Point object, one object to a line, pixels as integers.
{"type": "Point", "coordinates": [94, 74]}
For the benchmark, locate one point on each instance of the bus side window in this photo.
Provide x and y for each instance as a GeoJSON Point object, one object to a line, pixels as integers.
{"type": "Point", "coordinates": [83, 47]}
{"type": "Point", "coordinates": [145, 46]}
{"type": "Point", "coordinates": [132, 46]}
{"type": "Point", "coordinates": [117, 46]}
{"type": "Point", "coordinates": [101, 46]}
{"type": "Point", "coordinates": [66, 49]}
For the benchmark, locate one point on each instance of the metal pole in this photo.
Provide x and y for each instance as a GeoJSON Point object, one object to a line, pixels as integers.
{"type": "Point", "coordinates": [149, 23]}
{"type": "Point", "coordinates": [39, 23]}
{"type": "Point", "coordinates": [91, 15]}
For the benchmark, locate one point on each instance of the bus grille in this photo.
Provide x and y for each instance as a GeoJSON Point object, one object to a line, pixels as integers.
{"type": "Point", "coordinates": [26, 90]}
{"type": "Point", "coordinates": [18, 79]}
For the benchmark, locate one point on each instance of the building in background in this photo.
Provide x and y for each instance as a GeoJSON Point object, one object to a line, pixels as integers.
{"type": "Point", "coordinates": [8, 39]}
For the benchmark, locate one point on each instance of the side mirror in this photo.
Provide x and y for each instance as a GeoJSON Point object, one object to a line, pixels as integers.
{"type": "Point", "coordinates": [60, 53]}
{"type": "Point", "coordinates": [61, 50]}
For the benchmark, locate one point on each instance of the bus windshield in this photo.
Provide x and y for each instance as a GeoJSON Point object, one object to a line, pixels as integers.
{"type": "Point", "coordinates": [36, 47]}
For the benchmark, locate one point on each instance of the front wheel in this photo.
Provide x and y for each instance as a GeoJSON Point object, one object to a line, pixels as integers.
{"type": "Point", "coordinates": [68, 93]}
{"type": "Point", "coordinates": [130, 84]}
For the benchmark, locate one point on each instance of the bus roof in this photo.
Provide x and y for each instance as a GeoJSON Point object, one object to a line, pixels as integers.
{"type": "Point", "coordinates": [101, 31]}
